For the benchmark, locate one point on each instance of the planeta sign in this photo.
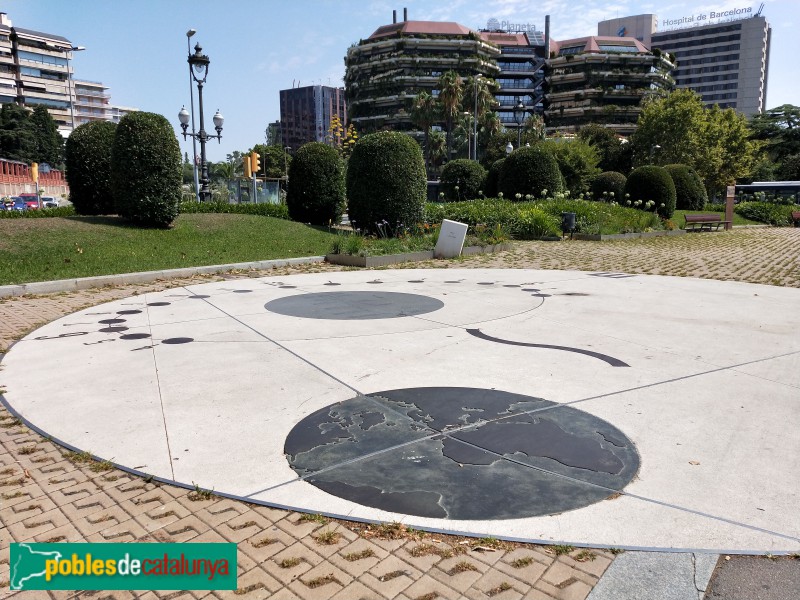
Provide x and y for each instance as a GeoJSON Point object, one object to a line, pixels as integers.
{"type": "Point", "coordinates": [495, 25]}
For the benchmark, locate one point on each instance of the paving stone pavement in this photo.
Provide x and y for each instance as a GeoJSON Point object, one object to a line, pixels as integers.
{"type": "Point", "coordinates": [50, 495]}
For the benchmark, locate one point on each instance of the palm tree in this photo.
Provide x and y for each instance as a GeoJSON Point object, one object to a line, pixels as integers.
{"type": "Point", "coordinates": [534, 124]}
{"type": "Point", "coordinates": [451, 93]}
{"type": "Point", "coordinates": [438, 144]}
{"type": "Point", "coordinates": [424, 112]}
{"type": "Point", "coordinates": [491, 126]}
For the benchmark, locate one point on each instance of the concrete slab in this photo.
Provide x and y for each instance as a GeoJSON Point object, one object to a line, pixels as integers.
{"type": "Point", "coordinates": [656, 576]}
{"type": "Point", "coordinates": [204, 384]}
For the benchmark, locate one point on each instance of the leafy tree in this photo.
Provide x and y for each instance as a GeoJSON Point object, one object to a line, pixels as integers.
{"type": "Point", "coordinates": [438, 148]}
{"type": "Point", "coordinates": [678, 129]}
{"type": "Point", "coordinates": [88, 157]}
{"type": "Point", "coordinates": [17, 135]}
{"type": "Point", "coordinates": [780, 128]}
{"type": "Point", "coordinates": [49, 143]}
{"type": "Point", "coordinates": [534, 125]}
{"type": "Point", "coordinates": [576, 160]}
{"type": "Point", "coordinates": [614, 153]}
{"type": "Point", "coordinates": [187, 170]}
{"type": "Point", "coordinates": [274, 160]}
{"type": "Point", "coordinates": [790, 168]}
{"type": "Point", "coordinates": [451, 94]}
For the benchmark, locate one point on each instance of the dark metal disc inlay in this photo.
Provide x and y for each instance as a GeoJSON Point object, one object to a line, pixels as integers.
{"type": "Point", "coordinates": [352, 306]}
{"type": "Point", "coordinates": [461, 453]}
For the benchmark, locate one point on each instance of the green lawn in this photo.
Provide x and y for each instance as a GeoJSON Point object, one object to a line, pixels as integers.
{"type": "Point", "coordinates": [62, 248]}
{"type": "Point", "coordinates": [680, 222]}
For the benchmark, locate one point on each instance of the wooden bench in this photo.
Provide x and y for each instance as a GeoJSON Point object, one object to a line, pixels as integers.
{"type": "Point", "coordinates": [796, 217]}
{"type": "Point", "coordinates": [703, 222]}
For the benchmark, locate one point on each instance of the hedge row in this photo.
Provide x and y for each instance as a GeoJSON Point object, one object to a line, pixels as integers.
{"type": "Point", "coordinates": [279, 211]}
{"type": "Point", "coordinates": [767, 212]}
{"type": "Point", "coordinates": [61, 211]}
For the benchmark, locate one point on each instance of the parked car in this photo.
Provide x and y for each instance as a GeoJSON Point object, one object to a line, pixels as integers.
{"type": "Point", "coordinates": [13, 203]}
{"type": "Point", "coordinates": [49, 202]}
{"type": "Point", "coordinates": [31, 201]}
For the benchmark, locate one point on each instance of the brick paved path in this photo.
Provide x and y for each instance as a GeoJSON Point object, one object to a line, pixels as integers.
{"type": "Point", "coordinates": [47, 494]}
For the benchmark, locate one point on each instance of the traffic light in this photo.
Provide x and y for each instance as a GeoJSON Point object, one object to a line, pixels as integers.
{"type": "Point", "coordinates": [255, 162]}
{"type": "Point", "coordinates": [35, 171]}
{"type": "Point", "coordinates": [246, 164]}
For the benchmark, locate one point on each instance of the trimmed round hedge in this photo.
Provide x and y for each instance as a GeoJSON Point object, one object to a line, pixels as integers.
{"type": "Point", "coordinates": [468, 175]}
{"type": "Point", "coordinates": [530, 170]}
{"type": "Point", "coordinates": [88, 160]}
{"type": "Point", "coordinates": [316, 185]}
{"type": "Point", "coordinates": [386, 181]}
{"type": "Point", "coordinates": [689, 189]}
{"type": "Point", "coordinates": [493, 179]}
{"type": "Point", "coordinates": [652, 183]}
{"type": "Point", "coordinates": [609, 182]}
{"type": "Point", "coordinates": [146, 170]}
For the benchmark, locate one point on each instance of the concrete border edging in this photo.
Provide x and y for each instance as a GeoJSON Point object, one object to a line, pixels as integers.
{"type": "Point", "coordinates": [83, 283]}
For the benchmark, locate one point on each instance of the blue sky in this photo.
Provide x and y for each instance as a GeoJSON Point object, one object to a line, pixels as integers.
{"type": "Point", "coordinates": [138, 47]}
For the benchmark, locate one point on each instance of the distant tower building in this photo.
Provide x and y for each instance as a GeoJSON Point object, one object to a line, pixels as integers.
{"type": "Point", "coordinates": [725, 61]}
{"type": "Point", "coordinates": [640, 27]}
{"type": "Point", "coordinates": [306, 113]}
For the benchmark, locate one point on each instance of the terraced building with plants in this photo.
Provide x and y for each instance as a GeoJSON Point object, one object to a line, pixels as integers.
{"type": "Point", "coordinates": [602, 80]}
{"type": "Point", "coordinates": [387, 70]}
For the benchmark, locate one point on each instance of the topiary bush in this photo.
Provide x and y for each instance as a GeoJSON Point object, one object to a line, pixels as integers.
{"type": "Point", "coordinates": [530, 170]}
{"type": "Point", "coordinates": [611, 183]}
{"type": "Point", "coordinates": [146, 170]}
{"type": "Point", "coordinates": [651, 184]}
{"type": "Point", "coordinates": [468, 175]}
{"type": "Point", "coordinates": [491, 188]}
{"type": "Point", "coordinates": [316, 185]}
{"type": "Point", "coordinates": [689, 189]}
{"type": "Point", "coordinates": [88, 160]}
{"type": "Point", "coordinates": [386, 181]}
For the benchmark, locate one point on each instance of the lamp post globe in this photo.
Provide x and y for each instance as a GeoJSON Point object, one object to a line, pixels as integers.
{"type": "Point", "coordinates": [509, 148]}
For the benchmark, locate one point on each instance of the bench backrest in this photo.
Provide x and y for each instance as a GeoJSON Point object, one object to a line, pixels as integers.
{"type": "Point", "coordinates": [702, 218]}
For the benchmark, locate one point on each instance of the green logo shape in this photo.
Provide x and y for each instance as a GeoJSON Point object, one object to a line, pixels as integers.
{"type": "Point", "coordinates": [134, 566]}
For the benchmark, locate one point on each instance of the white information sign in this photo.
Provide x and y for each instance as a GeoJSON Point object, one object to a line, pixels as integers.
{"type": "Point", "coordinates": [451, 239]}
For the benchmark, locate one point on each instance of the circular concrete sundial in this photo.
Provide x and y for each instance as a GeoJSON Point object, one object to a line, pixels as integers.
{"type": "Point", "coordinates": [461, 453]}
{"type": "Point", "coordinates": [570, 407]}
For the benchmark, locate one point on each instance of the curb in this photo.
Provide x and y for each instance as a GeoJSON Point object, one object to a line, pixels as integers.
{"type": "Point", "coordinates": [84, 283]}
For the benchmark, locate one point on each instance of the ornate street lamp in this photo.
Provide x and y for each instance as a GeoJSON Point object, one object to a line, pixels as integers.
{"type": "Point", "coordinates": [519, 116]}
{"type": "Point", "coordinates": [189, 34]}
{"type": "Point", "coordinates": [653, 149]}
{"type": "Point", "coordinates": [198, 62]}
{"type": "Point", "coordinates": [475, 134]}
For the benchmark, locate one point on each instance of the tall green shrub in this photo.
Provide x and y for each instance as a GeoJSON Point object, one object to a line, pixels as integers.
{"type": "Point", "coordinates": [316, 185]}
{"type": "Point", "coordinates": [689, 189]}
{"type": "Point", "coordinates": [88, 158]}
{"type": "Point", "coordinates": [529, 170]}
{"type": "Point", "coordinates": [467, 175]}
{"type": "Point", "coordinates": [577, 160]}
{"type": "Point", "coordinates": [608, 183]}
{"type": "Point", "coordinates": [652, 184]}
{"type": "Point", "coordinates": [146, 170]}
{"type": "Point", "coordinates": [386, 181]}
{"type": "Point", "coordinates": [493, 179]}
